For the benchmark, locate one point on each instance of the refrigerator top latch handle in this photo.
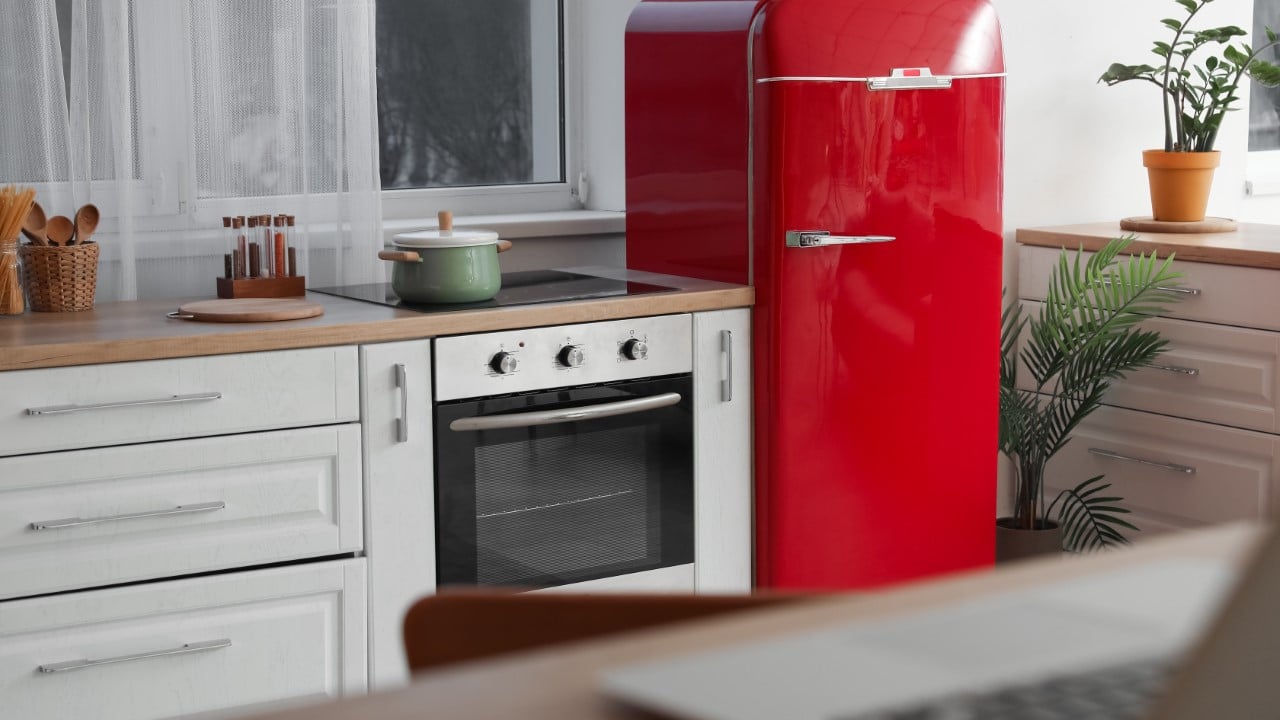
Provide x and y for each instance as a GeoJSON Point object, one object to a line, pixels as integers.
{"type": "Point", "coordinates": [910, 79]}
{"type": "Point", "coordinates": [822, 238]}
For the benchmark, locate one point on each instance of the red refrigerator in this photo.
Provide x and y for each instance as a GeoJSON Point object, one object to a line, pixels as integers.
{"type": "Point", "coordinates": [844, 157]}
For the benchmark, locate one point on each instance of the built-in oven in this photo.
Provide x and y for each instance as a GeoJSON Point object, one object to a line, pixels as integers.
{"type": "Point", "coordinates": [564, 455]}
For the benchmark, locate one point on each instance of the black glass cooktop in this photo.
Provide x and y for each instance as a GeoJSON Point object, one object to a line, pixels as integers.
{"type": "Point", "coordinates": [518, 288]}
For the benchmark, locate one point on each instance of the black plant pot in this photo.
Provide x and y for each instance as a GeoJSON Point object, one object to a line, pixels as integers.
{"type": "Point", "coordinates": [1015, 543]}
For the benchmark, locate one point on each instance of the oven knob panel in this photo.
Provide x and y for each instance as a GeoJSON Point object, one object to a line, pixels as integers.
{"type": "Point", "coordinates": [635, 349]}
{"type": "Point", "coordinates": [503, 363]}
{"type": "Point", "coordinates": [571, 356]}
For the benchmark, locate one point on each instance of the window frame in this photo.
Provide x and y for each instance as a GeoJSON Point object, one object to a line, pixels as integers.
{"type": "Point", "coordinates": [1262, 167]}
{"type": "Point", "coordinates": [405, 204]}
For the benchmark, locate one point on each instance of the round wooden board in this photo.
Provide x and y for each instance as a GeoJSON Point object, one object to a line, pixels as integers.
{"type": "Point", "coordinates": [249, 310]}
{"type": "Point", "coordinates": [1150, 224]}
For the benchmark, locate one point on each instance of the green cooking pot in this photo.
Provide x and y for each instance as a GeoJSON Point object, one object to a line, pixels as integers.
{"type": "Point", "coordinates": [446, 266]}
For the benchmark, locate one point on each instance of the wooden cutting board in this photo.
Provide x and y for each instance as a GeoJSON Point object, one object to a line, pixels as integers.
{"type": "Point", "coordinates": [248, 310]}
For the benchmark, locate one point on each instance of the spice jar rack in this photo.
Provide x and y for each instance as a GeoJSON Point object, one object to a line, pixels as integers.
{"type": "Point", "coordinates": [263, 262]}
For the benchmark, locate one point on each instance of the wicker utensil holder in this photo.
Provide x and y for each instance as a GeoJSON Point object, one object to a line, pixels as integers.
{"type": "Point", "coordinates": [60, 279]}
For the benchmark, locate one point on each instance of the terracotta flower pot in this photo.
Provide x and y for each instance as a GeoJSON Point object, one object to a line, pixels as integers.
{"type": "Point", "coordinates": [1180, 183]}
{"type": "Point", "coordinates": [1015, 543]}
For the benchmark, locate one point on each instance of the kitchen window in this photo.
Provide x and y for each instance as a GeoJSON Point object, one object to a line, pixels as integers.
{"type": "Point", "coordinates": [472, 109]}
{"type": "Point", "coordinates": [469, 93]}
{"type": "Point", "coordinates": [476, 105]}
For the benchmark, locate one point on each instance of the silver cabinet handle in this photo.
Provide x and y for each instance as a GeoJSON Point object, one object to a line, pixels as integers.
{"type": "Point", "coordinates": [552, 417]}
{"type": "Point", "coordinates": [1186, 469]}
{"type": "Point", "coordinates": [172, 400]}
{"type": "Point", "coordinates": [726, 383]}
{"type": "Point", "coordinates": [822, 238]}
{"type": "Point", "coordinates": [402, 423]}
{"type": "Point", "coordinates": [1177, 369]}
{"type": "Point", "coordinates": [78, 522]}
{"type": "Point", "coordinates": [186, 649]}
{"type": "Point", "coordinates": [1165, 288]}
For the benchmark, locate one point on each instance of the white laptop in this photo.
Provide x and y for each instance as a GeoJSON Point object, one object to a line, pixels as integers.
{"type": "Point", "coordinates": [1026, 646]}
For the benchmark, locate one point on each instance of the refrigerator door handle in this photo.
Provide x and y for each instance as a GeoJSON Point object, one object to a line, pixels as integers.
{"type": "Point", "coordinates": [910, 79]}
{"type": "Point", "coordinates": [820, 238]}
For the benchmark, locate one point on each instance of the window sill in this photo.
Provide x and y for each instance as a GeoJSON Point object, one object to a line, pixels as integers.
{"type": "Point", "coordinates": [524, 225]}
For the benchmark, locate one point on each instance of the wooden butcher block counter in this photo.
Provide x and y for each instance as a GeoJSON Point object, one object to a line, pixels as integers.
{"type": "Point", "coordinates": [1250, 245]}
{"type": "Point", "coordinates": [126, 331]}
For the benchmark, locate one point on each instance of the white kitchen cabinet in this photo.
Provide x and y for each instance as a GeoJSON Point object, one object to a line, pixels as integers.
{"type": "Point", "coordinates": [241, 641]}
{"type": "Point", "coordinates": [121, 483]}
{"type": "Point", "coordinates": [722, 450]}
{"type": "Point", "coordinates": [1196, 440]}
{"type": "Point", "coordinates": [1223, 294]}
{"type": "Point", "coordinates": [88, 518]}
{"type": "Point", "coordinates": [399, 492]}
{"type": "Point", "coordinates": [1180, 473]}
{"type": "Point", "coordinates": [90, 406]}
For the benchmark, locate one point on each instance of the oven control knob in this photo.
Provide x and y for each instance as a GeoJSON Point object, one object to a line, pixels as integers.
{"type": "Point", "coordinates": [635, 350]}
{"type": "Point", "coordinates": [571, 356]}
{"type": "Point", "coordinates": [503, 363]}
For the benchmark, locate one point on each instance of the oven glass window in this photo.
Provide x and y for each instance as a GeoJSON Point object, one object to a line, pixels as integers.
{"type": "Point", "coordinates": [554, 504]}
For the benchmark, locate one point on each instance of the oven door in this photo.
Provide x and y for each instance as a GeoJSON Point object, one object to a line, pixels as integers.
{"type": "Point", "coordinates": [565, 486]}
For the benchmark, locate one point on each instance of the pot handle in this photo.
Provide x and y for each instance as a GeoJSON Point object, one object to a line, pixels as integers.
{"type": "Point", "coordinates": [504, 245]}
{"type": "Point", "coordinates": [399, 255]}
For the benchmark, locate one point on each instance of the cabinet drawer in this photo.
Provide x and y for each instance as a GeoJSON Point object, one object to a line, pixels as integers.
{"type": "Point", "coordinates": [95, 405]}
{"type": "Point", "coordinates": [97, 517]}
{"type": "Point", "coordinates": [1214, 373]}
{"type": "Point", "coordinates": [186, 647]}
{"type": "Point", "coordinates": [1179, 472]}
{"type": "Point", "coordinates": [1228, 294]}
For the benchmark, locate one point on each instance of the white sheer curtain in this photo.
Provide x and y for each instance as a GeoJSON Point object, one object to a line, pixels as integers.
{"type": "Point", "coordinates": [183, 111]}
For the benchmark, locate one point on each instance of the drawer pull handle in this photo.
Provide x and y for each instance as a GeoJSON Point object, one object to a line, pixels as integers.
{"type": "Point", "coordinates": [1176, 369]}
{"type": "Point", "coordinates": [175, 399]}
{"type": "Point", "coordinates": [186, 649]}
{"type": "Point", "coordinates": [1165, 288]}
{"type": "Point", "coordinates": [726, 382]}
{"type": "Point", "coordinates": [78, 522]}
{"type": "Point", "coordinates": [1187, 469]}
{"type": "Point", "coordinates": [402, 423]}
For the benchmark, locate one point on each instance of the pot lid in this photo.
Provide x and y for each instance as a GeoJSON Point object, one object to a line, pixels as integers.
{"type": "Point", "coordinates": [445, 238]}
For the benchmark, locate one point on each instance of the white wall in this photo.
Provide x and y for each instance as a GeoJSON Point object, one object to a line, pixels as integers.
{"type": "Point", "coordinates": [1074, 145]}
{"type": "Point", "coordinates": [604, 117]}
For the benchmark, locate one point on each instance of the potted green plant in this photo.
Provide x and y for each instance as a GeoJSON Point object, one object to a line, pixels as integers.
{"type": "Point", "coordinates": [1198, 88]}
{"type": "Point", "coordinates": [1085, 336]}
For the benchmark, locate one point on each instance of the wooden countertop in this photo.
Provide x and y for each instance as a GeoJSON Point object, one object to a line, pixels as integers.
{"type": "Point", "coordinates": [119, 332]}
{"type": "Point", "coordinates": [1251, 245]}
{"type": "Point", "coordinates": [564, 682]}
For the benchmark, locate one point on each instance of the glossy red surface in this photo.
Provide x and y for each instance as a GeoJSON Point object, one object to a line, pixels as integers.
{"type": "Point", "coordinates": [686, 103]}
{"type": "Point", "coordinates": [876, 365]}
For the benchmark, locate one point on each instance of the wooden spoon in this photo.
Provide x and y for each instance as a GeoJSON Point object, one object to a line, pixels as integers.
{"type": "Point", "coordinates": [86, 223]}
{"type": "Point", "coordinates": [33, 226]}
{"type": "Point", "coordinates": [60, 230]}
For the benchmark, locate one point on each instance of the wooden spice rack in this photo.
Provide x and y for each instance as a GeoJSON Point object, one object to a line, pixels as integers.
{"type": "Point", "coordinates": [269, 287]}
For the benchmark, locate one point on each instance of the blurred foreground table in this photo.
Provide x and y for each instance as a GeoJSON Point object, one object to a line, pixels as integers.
{"type": "Point", "coordinates": [563, 682]}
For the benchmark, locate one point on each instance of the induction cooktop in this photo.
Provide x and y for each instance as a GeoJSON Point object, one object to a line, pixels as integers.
{"type": "Point", "coordinates": [518, 288]}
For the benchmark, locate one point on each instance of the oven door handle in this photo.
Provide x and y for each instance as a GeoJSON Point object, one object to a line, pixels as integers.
{"type": "Point", "coordinates": [553, 417]}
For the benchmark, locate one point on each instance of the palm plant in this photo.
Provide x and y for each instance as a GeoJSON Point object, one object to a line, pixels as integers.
{"type": "Point", "coordinates": [1084, 338]}
{"type": "Point", "coordinates": [1196, 97]}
